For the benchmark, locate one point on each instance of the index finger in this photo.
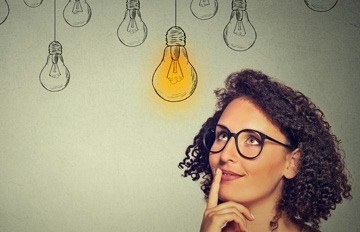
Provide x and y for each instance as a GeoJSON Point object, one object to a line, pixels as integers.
{"type": "Point", "coordinates": [214, 190]}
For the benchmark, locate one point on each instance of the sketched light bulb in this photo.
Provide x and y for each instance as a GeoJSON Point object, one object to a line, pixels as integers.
{"type": "Point", "coordinates": [239, 33]}
{"type": "Point", "coordinates": [33, 3]}
{"type": "Point", "coordinates": [4, 11]}
{"type": "Point", "coordinates": [204, 9]}
{"type": "Point", "coordinates": [77, 13]}
{"type": "Point", "coordinates": [55, 76]}
{"type": "Point", "coordinates": [132, 30]}
{"type": "Point", "coordinates": [321, 5]}
{"type": "Point", "coordinates": [175, 79]}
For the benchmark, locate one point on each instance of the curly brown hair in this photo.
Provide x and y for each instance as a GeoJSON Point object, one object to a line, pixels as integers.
{"type": "Point", "coordinates": [322, 180]}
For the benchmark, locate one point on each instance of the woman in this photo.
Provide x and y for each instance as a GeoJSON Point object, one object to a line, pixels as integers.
{"type": "Point", "coordinates": [268, 159]}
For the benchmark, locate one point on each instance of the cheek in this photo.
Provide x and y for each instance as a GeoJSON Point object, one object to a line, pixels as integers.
{"type": "Point", "coordinates": [270, 170]}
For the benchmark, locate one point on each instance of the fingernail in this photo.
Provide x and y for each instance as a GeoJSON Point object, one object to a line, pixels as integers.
{"type": "Point", "coordinates": [252, 215]}
{"type": "Point", "coordinates": [218, 171]}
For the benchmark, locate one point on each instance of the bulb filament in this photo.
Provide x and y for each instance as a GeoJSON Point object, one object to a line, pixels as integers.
{"type": "Point", "coordinates": [54, 71]}
{"type": "Point", "coordinates": [77, 7]}
{"type": "Point", "coordinates": [239, 27]}
{"type": "Point", "coordinates": [132, 27]}
{"type": "Point", "coordinates": [175, 73]}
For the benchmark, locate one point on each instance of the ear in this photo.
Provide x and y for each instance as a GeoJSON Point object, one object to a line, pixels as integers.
{"type": "Point", "coordinates": [292, 164]}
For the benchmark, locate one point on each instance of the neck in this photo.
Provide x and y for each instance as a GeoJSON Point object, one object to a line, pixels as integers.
{"type": "Point", "coordinates": [264, 214]}
{"type": "Point", "coordinates": [264, 211]}
{"type": "Point", "coordinates": [262, 225]}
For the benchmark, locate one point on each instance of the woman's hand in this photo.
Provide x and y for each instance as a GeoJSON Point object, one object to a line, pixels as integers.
{"type": "Point", "coordinates": [217, 216]}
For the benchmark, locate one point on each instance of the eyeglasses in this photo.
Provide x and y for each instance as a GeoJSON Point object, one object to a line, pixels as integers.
{"type": "Point", "coordinates": [249, 143]}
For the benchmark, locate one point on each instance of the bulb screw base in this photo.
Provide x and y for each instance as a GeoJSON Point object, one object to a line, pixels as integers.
{"type": "Point", "coordinates": [239, 5]}
{"type": "Point", "coordinates": [55, 48]}
{"type": "Point", "coordinates": [133, 4]}
{"type": "Point", "coordinates": [175, 36]}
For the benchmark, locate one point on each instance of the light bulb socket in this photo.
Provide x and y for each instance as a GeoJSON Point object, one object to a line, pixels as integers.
{"type": "Point", "coordinates": [239, 5]}
{"type": "Point", "coordinates": [55, 48]}
{"type": "Point", "coordinates": [175, 36]}
{"type": "Point", "coordinates": [133, 4]}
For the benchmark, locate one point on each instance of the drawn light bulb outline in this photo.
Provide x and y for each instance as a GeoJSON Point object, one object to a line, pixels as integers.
{"type": "Point", "coordinates": [321, 5]}
{"type": "Point", "coordinates": [33, 3]}
{"type": "Point", "coordinates": [239, 34]}
{"type": "Point", "coordinates": [77, 13]}
{"type": "Point", "coordinates": [204, 9]}
{"type": "Point", "coordinates": [4, 11]}
{"type": "Point", "coordinates": [54, 76]}
{"type": "Point", "coordinates": [175, 79]}
{"type": "Point", "coordinates": [132, 31]}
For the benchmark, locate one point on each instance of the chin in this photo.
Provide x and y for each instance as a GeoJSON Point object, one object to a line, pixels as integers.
{"type": "Point", "coordinates": [226, 194]}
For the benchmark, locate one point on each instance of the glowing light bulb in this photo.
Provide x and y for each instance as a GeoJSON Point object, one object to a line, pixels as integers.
{"type": "Point", "coordinates": [204, 9]}
{"type": "Point", "coordinates": [4, 11]}
{"type": "Point", "coordinates": [239, 33]}
{"type": "Point", "coordinates": [321, 5]}
{"type": "Point", "coordinates": [33, 3]}
{"type": "Point", "coordinates": [175, 79]}
{"type": "Point", "coordinates": [77, 13]}
{"type": "Point", "coordinates": [55, 76]}
{"type": "Point", "coordinates": [132, 30]}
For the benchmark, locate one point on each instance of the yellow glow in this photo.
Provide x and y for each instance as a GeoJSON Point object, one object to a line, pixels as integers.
{"type": "Point", "coordinates": [168, 111]}
{"type": "Point", "coordinates": [175, 79]}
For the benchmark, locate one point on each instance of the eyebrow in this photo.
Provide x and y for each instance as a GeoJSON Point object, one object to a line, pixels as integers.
{"type": "Point", "coordinates": [218, 124]}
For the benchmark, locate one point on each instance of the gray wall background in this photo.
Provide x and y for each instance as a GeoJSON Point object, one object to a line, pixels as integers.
{"type": "Point", "coordinates": [102, 154]}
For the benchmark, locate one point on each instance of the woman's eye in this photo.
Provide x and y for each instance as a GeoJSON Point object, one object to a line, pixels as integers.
{"type": "Point", "coordinates": [251, 140]}
{"type": "Point", "coordinates": [222, 136]}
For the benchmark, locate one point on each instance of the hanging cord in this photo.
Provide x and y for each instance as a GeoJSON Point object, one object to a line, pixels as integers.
{"type": "Point", "coordinates": [175, 12]}
{"type": "Point", "coordinates": [54, 20]}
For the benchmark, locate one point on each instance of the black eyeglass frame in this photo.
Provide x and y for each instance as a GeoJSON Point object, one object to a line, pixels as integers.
{"type": "Point", "coordinates": [236, 136]}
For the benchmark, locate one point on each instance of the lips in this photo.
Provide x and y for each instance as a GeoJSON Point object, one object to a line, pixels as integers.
{"type": "Point", "coordinates": [229, 175]}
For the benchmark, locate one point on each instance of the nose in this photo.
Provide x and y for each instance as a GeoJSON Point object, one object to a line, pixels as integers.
{"type": "Point", "coordinates": [230, 152]}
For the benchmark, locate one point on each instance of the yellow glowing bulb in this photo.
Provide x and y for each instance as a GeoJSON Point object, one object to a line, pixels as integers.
{"type": "Point", "coordinates": [175, 79]}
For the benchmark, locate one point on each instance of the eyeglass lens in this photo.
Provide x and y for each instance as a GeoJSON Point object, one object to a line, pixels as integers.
{"type": "Point", "coordinates": [248, 142]}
